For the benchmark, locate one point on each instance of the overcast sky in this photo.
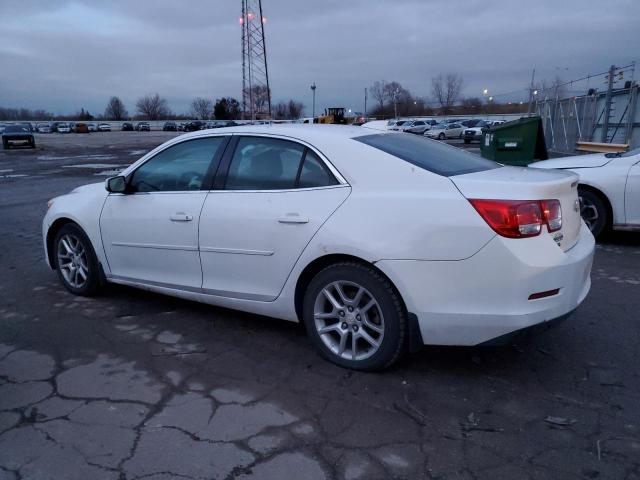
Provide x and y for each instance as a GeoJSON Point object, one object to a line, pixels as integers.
{"type": "Point", "coordinates": [63, 55]}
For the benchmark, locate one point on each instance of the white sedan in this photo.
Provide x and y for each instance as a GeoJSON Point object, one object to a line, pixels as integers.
{"type": "Point", "coordinates": [609, 188]}
{"type": "Point", "coordinates": [377, 242]}
{"type": "Point", "coordinates": [445, 130]}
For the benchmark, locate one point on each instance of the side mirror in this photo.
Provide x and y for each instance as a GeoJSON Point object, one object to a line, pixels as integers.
{"type": "Point", "coordinates": [116, 184]}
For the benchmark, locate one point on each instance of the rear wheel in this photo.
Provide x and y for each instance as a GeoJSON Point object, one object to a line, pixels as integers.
{"type": "Point", "coordinates": [441, 136]}
{"type": "Point", "coordinates": [467, 141]}
{"type": "Point", "coordinates": [594, 211]}
{"type": "Point", "coordinates": [354, 317]}
{"type": "Point", "coordinates": [5, 144]}
{"type": "Point", "coordinates": [76, 262]}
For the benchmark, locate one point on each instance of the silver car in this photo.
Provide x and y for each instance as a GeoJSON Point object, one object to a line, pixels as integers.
{"type": "Point", "coordinates": [443, 131]}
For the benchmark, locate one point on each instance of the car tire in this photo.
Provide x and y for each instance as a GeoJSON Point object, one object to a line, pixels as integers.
{"type": "Point", "coordinates": [467, 141]}
{"type": "Point", "coordinates": [79, 251]}
{"type": "Point", "coordinates": [441, 136]}
{"type": "Point", "coordinates": [5, 144]}
{"type": "Point", "coordinates": [594, 211]}
{"type": "Point", "coordinates": [32, 143]}
{"type": "Point", "coordinates": [380, 330]}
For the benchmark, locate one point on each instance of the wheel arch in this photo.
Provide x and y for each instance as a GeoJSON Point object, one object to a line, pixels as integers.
{"type": "Point", "coordinates": [51, 235]}
{"type": "Point", "coordinates": [415, 341]}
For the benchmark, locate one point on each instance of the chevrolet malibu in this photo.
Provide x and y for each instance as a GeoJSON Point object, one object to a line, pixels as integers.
{"type": "Point", "coordinates": [378, 242]}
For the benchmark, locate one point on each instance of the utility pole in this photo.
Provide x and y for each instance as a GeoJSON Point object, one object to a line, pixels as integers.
{"type": "Point", "coordinates": [607, 105]}
{"type": "Point", "coordinates": [313, 109]}
{"type": "Point", "coordinates": [365, 105]}
{"type": "Point", "coordinates": [395, 104]}
{"type": "Point", "coordinates": [533, 74]}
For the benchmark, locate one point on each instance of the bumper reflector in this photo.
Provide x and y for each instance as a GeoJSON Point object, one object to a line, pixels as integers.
{"type": "Point", "coordinates": [548, 293]}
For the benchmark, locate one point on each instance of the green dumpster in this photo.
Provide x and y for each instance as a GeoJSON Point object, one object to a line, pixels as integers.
{"type": "Point", "coordinates": [519, 143]}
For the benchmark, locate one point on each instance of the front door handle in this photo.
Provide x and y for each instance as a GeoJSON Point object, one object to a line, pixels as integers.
{"type": "Point", "coordinates": [293, 218]}
{"type": "Point", "coordinates": [181, 217]}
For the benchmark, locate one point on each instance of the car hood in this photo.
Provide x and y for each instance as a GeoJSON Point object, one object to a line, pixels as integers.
{"type": "Point", "coordinates": [91, 188]}
{"type": "Point", "coordinates": [577, 161]}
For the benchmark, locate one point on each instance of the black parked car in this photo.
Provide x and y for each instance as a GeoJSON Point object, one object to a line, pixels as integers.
{"type": "Point", "coordinates": [18, 134]}
{"type": "Point", "coordinates": [170, 127]}
{"type": "Point", "coordinates": [127, 127]}
{"type": "Point", "coordinates": [143, 127]}
{"type": "Point", "coordinates": [195, 125]}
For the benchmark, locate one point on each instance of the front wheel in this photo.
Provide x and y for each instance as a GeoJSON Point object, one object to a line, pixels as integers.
{"type": "Point", "coordinates": [76, 262]}
{"type": "Point", "coordinates": [467, 141]}
{"type": "Point", "coordinates": [594, 212]}
{"type": "Point", "coordinates": [5, 144]}
{"type": "Point", "coordinates": [354, 317]}
{"type": "Point", "coordinates": [441, 136]}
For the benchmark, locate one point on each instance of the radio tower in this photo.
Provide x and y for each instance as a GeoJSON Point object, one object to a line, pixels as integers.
{"type": "Point", "coordinates": [256, 95]}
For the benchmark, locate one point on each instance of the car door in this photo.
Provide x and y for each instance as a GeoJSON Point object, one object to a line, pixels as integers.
{"type": "Point", "coordinates": [632, 195]}
{"type": "Point", "coordinates": [150, 234]}
{"type": "Point", "coordinates": [271, 196]}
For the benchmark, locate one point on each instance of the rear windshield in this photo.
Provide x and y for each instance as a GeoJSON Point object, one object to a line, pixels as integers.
{"type": "Point", "coordinates": [16, 129]}
{"type": "Point", "coordinates": [436, 157]}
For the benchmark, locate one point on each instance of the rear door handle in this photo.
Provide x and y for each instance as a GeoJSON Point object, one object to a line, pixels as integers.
{"type": "Point", "coordinates": [293, 218]}
{"type": "Point", "coordinates": [181, 217]}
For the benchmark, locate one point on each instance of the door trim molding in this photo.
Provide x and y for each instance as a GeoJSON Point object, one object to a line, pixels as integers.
{"type": "Point", "coordinates": [159, 246]}
{"type": "Point", "coordinates": [237, 251]}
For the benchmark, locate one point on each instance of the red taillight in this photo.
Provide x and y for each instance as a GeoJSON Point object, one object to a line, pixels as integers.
{"type": "Point", "coordinates": [552, 214]}
{"type": "Point", "coordinates": [519, 218]}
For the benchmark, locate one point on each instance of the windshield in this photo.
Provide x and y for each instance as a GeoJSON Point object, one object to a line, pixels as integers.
{"type": "Point", "coordinates": [428, 154]}
{"type": "Point", "coordinates": [630, 153]}
{"type": "Point", "coordinates": [16, 129]}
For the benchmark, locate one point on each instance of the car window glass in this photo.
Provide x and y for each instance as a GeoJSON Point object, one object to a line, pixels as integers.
{"type": "Point", "coordinates": [436, 157]}
{"type": "Point", "coordinates": [264, 164]}
{"type": "Point", "coordinates": [314, 173]}
{"type": "Point", "coordinates": [181, 167]}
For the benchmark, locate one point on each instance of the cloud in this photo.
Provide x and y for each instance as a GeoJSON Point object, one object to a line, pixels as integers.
{"type": "Point", "coordinates": [69, 54]}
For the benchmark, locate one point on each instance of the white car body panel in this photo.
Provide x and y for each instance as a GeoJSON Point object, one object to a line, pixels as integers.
{"type": "Point", "coordinates": [616, 178]}
{"type": "Point", "coordinates": [464, 283]}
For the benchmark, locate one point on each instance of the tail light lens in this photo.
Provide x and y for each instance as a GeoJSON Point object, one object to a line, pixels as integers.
{"type": "Point", "coordinates": [552, 214]}
{"type": "Point", "coordinates": [519, 218]}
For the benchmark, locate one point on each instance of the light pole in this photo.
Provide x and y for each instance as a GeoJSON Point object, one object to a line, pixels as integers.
{"type": "Point", "coordinates": [395, 103]}
{"type": "Point", "coordinates": [313, 110]}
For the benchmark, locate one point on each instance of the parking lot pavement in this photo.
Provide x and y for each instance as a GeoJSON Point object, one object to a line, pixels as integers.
{"type": "Point", "coordinates": [132, 385]}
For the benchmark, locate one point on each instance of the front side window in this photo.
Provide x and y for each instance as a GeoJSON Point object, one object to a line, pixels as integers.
{"type": "Point", "coordinates": [272, 164]}
{"type": "Point", "coordinates": [179, 168]}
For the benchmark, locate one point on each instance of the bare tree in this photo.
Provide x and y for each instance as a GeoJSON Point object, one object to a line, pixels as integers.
{"type": "Point", "coordinates": [294, 109]}
{"type": "Point", "coordinates": [153, 107]}
{"type": "Point", "coordinates": [115, 110]}
{"type": "Point", "coordinates": [202, 108]}
{"type": "Point", "coordinates": [260, 99]}
{"type": "Point", "coordinates": [378, 92]}
{"type": "Point", "coordinates": [446, 90]}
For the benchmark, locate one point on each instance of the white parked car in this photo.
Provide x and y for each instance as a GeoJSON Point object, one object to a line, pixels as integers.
{"type": "Point", "coordinates": [396, 125]}
{"type": "Point", "coordinates": [43, 128]}
{"type": "Point", "coordinates": [445, 130]}
{"type": "Point", "coordinates": [380, 125]}
{"type": "Point", "coordinates": [92, 127]}
{"type": "Point", "coordinates": [377, 242]}
{"type": "Point", "coordinates": [104, 127]}
{"type": "Point", "coordinates": [609, 188]}
{"type": "Point", "coordinates": [63, 128]}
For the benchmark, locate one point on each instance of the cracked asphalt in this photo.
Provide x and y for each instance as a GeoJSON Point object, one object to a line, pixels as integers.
{"type": "Point", "coordinates": [134, 385]}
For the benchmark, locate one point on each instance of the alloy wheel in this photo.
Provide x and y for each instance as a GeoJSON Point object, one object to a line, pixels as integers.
{"type": "Point", "coordinates": [349, 320]}
{"type": "Point", "coordinates": [73, 261]}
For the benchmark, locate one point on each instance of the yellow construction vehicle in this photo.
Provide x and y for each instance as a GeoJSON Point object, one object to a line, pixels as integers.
{"type": "Point", "coordinates": [333, 115]}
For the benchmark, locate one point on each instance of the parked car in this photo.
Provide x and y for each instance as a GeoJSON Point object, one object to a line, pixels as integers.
{"type": "Point", "coordinates": [380, 125]}
{"type": "Point", "coordinates": [43, 128]}
{"type": "Point", "coordinates": [127, 127]}
{"type": "Point", "coordinates": [396, 124]}
{"type": "Point", "coordinates": [445, 130]}
{"type": "Point", "coordinates": [473, 134]}
{"type": "Point", "coordinates": [63, 128]}
{"type": "Point", "coordinates": [80, 128]}
{"type": "Point", "coordinates": [181, 126]}
{"type": "Point", "coordinates": [609, 188]}
{"type": "Point", "coordinates": [194, 126]}
{"type": "Point", "coordinates": [420, 126]}
{"type": "Point", "coordinates": [169, 127]}
{"type": "Point", "coordinates": [373, 257]}
{"type": "Point", "coordinates": [17, 134]}
{"type": "Point", "coordinates": [92, 127]}
{"type": "Point", "coordinates": [104, 127]}
{"type": "Point", "coordinates": [143, 127]}
{"type": "Point", "coordinates": [470, 123]}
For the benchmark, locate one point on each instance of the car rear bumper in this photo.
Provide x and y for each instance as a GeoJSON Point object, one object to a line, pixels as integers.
{"type": "Point", "coordinates": [486, 296]}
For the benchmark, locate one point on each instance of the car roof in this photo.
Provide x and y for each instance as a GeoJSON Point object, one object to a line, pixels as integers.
{"type": "Point", "coordinates": [307, 132]}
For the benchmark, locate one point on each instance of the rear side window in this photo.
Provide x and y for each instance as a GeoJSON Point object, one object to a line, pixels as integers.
{"type": "Point", "coordinates": [430, 155]}
{"type": "Point", "coordinates": [261, 163]}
